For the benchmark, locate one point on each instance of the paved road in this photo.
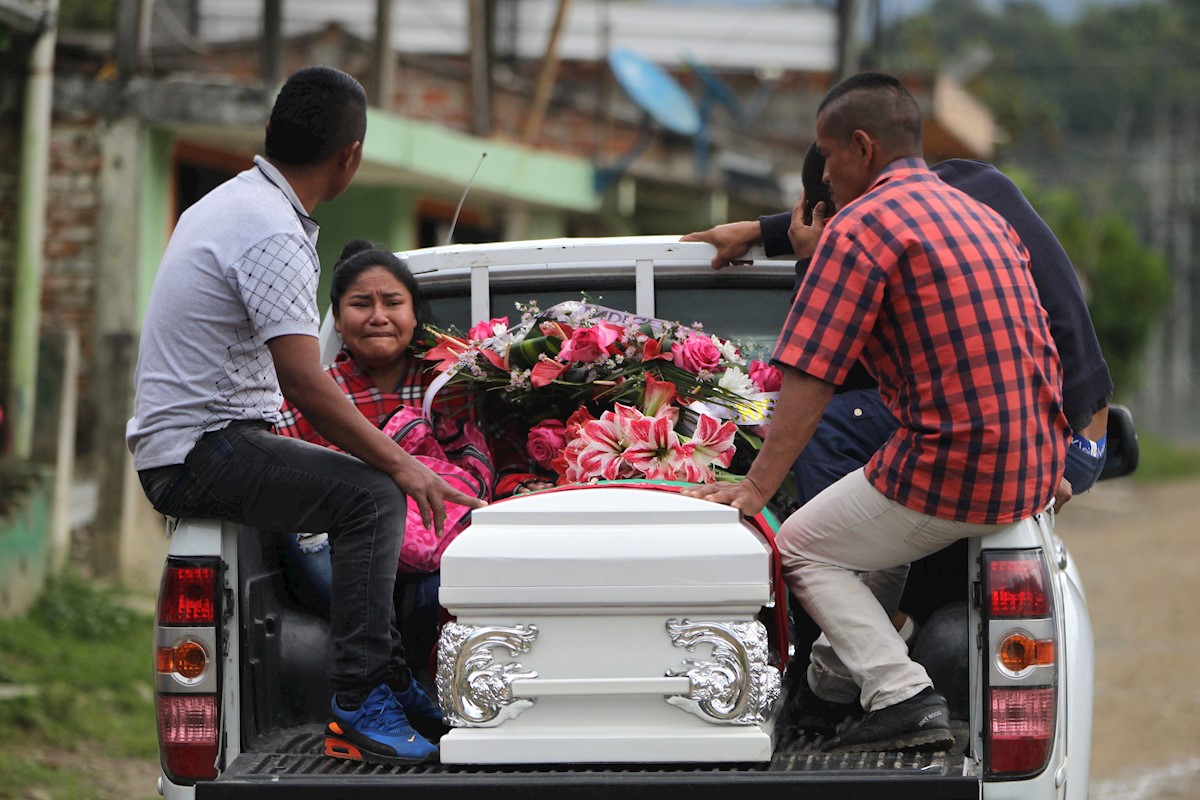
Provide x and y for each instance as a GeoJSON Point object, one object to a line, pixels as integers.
{"type": "Point", "coordinates": [1138, 549]}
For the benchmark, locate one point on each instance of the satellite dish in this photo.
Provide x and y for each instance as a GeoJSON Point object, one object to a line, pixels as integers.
{"type": "Point", "coordinates": [658, 94]}
{"type": "Point", "coordinates": [716, 91]}
{"type": "Point", "coordinates": [661, 99]}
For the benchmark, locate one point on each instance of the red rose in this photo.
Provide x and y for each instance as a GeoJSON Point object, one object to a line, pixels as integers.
{"type": "Point", "coordinates": [767, 377]}
{"type": "Point", "coordinates": [545, 441]}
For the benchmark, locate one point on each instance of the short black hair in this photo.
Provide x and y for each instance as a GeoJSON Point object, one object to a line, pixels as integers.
{"type": "Point", "coordinates": [360, 255]}
{"type": "Point", "coordinates": [318, 111]}
{"type": "Point", "coordinates": [812, 178]}
{"type": "Point", "coordinates": [877, 103]}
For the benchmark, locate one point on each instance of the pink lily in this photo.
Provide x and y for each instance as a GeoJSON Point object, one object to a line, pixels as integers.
{"type": "Point", "coordinates": [653, 350]}
{"type": "Point", "coordinates": [446, 352]}
{"type": "Point", "coordinates": [658, 398]}
{"type": "Point", "coordinates": [713, 441]}
{"type": "Point", "coordinates": [546, 372]}
{"type": "Point", "coordinates": [656, 450]}
{"type": "Point", "coordinates": [605, 441]}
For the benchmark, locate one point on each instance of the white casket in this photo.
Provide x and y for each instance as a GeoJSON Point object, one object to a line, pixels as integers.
{"type": "Point", "coordinates": [606, 624]}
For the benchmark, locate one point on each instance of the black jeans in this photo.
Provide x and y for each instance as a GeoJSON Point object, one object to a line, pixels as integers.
{"type": "Point", "coordinates": [246, 474]}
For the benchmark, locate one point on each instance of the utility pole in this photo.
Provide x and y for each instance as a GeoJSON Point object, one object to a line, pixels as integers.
{"type": "Point", "coordinates": [849, 42]}
{"type": "Point", "coordinates": [127, 44]}
{"type": "Point", "coordinates": [547, 74]}
{"type": "Point", "coordinates": [382, 64]}
{"type": "Point", "coordinates": [31, 235]}
{"type": "Point", "coordinates": [479, 46]}
{"type": "Point", "coordinates": [272, 34]}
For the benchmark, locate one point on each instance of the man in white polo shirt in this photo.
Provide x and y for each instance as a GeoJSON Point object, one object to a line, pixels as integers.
{"type": "Point", "coordinates": [230, 329]}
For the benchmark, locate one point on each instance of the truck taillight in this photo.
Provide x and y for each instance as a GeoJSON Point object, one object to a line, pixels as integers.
{"type": "Point", "coordinates": [1020, 731]}
{"type": "Point", "coordinates": [188, 595]}
{"type": "Point", "coordinates": [1016, 587]}
{"type": "Point", "coordinates": [1021, 706]}
{"type": "Point", "coordinates": [187, 639]}
{"type": "Point", "coordinates": [188, 733]}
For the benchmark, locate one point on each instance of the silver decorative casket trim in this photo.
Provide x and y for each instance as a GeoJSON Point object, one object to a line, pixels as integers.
{"type": "Point", "coordinates": [473, 689]}
{"type": "Point", "coordinates": [737, 687]}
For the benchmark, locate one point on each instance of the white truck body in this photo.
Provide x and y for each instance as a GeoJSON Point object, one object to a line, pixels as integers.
{"type": "Point", "coordinates": [602, 588]}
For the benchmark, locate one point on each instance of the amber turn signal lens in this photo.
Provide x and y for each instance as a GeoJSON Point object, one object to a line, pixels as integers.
{"type": "Point", "coordinates": [187, 659]}
{"type": "Point", "coordinates": [1019, 652]}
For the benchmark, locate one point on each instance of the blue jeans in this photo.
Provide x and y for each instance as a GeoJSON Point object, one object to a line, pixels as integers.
{"type": "Point", "coordinates": [855, 424]}
{"type": "Point", "coordinates": [1083, 467]}
{"type": "Point", "coordinates": [309, 571]}
{"type": "Point", "coordinates": [246, 474]}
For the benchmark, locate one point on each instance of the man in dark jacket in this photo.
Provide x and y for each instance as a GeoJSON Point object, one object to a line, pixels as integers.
{"type": "Point", "coordinates": [856, 422]}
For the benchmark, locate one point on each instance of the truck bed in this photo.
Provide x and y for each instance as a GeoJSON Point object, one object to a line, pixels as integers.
{"type": "Point", "coordinates": [286, 652]}
{"type": "Point", "coordinates": [290, 764]}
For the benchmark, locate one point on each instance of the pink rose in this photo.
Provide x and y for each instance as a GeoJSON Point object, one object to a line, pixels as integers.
{"type": "Point", "coordinates": [769, 378]}
{"type": "Point", "coordinates": [697, 354]}
{"type": "Point", "coordinates": [588, 344]}
{"type": "Point", "coordinates": [488, 329]}
{"type": "Point", "coordinates": [545, 441]}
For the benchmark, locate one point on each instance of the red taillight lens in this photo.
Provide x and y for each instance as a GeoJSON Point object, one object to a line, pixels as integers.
{"type": "Point", "coordinates": [1021, 731]}
{"type": "Point", "coordinates": [1017, 588]}
{"type": "Point", "coordinates": [186, 691]}
{"type": "Point", "coordinates": [188, 734]}
{"type": "Point", "coordinates": [188, 596]}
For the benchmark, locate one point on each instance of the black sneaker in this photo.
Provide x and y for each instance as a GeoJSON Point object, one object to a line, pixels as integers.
{"type": "Point", "coordinates": [816, 716]}
{"type": "Point", "coordinates": [920, 723]}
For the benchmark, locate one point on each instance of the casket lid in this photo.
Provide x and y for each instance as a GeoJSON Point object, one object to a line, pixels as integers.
{"type": "Point", "coordinates": [610, 537]}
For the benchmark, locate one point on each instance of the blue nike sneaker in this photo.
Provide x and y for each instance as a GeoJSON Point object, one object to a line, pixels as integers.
{"type": "Point", "coordinates": [378, 732]}
{"type": "Point", "coordinates": [423, 713]}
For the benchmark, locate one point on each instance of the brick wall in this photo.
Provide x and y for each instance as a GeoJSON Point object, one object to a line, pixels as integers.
{"type": "Point", "coordinates": [72, 230]}
{"type": "Point", "coordinates": [70, 255]}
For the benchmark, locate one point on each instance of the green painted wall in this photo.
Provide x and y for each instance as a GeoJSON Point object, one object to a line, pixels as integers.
{"type": "Point", "coordinates": [511, 171]}
{"type": "Point", "coordinates": [155, 204]}
{"type": "Point", "coordinates": [27, 492]}
{"type": "Point", "coordinates": [415, 154]}
{"type": "Point", "coordinates": [383, 214]}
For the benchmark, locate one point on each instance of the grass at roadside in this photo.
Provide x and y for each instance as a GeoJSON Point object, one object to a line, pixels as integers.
{"type": "Point", "coordinates": [83, 718]}
{"type": "Point", "coordinates": [1160, 460]}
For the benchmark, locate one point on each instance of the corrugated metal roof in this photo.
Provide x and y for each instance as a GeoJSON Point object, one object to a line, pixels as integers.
{"type": "Point", "coordinates": [725, 37]}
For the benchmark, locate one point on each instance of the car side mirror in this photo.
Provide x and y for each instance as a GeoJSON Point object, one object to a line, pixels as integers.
{"type": "Point", "coordinates": [1122, 444]}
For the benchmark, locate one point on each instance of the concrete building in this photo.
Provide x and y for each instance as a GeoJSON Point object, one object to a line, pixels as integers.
{"type": "Point", "coordinates": [146, 118]}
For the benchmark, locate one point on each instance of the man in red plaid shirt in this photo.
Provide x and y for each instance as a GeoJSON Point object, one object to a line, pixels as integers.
{"type": "Point", "coordinates": [932, 291]}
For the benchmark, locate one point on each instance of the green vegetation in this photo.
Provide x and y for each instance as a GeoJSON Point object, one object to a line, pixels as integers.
{"type": "Point", "coordinates": [1128, 285]}
{"type": "Point", "coordinates": [86, 15]}
{"type": "Point", "coordinates": [86, 717]}
{"type": "Point", "coordinates": [1161, 460]}
{"type": "Point", "coordinates": [1101, 110]}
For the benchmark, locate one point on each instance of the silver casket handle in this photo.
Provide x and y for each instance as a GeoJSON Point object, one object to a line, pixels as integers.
{"type": "Point", "coordinates": [736, 687]}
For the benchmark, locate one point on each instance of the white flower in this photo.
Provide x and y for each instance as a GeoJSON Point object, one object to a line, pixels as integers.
{"type": "Point", "coordinates": [729, 353]}
{"type": "Point", "coordinates": [738, 382]}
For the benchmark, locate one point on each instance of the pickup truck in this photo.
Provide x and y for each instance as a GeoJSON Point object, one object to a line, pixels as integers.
{"type": "Point", "coordinates": [240, 668]}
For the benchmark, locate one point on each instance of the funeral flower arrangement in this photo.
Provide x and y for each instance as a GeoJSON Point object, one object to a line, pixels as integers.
{"type": "Point", "coordinates": [612, 396]}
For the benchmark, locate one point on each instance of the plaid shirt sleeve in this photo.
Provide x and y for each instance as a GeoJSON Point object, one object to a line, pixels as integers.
{"type": "Point", "coordinates": [834, 310]}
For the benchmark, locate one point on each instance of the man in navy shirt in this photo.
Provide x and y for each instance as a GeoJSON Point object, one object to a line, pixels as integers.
{"type": "Point", "coordinates": [856, 422]}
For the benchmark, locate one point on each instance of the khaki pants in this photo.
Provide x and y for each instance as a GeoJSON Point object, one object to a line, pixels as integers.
{"type": "Point", "coordinates": [845, 556]}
